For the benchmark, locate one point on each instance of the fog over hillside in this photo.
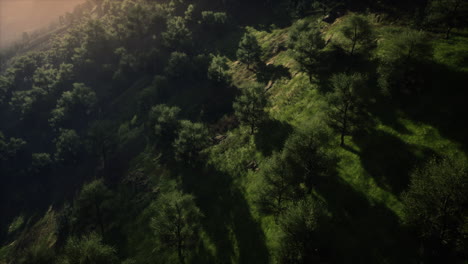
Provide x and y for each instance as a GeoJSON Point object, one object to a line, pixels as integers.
{"type": "Point", "coordinates": [18, 16]}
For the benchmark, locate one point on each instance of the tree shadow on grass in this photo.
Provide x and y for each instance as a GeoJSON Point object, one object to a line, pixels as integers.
{"type": "Point", "coordinates": [443, 103]}
{"type": "Point", "coordinates": [385, 110]}
{"type": "Point", "coordinates": [272, 73]}
{"type": "Point", "coordinates": [439, 101]}
{"type": "Point", "coordinates": [272, 135]}
{"type": "Point", "coordinates": [227, 218]}
{"type": "Point", "coordinates": [390, 160]}
{"type": "Point", "coordinates": [362, 231]}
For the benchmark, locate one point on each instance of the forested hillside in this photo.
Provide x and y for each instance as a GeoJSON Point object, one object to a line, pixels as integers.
{"type": "Point", "coordinates": [235, 131]}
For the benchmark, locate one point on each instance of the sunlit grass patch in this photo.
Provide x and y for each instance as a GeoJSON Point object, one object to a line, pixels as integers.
{"type": "Point", "coordinates": [452, 52]}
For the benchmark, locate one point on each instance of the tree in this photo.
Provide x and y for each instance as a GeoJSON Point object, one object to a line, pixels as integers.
{"type": "Point", "coordinates": [67, 145]}
{"type": "Point", "coordinates": [23, 68]}
{"type": "Point", "coordinates": [45, 78]}
{"type": "Point", "coordinates": [214, 20]}
{"type": "Point", "coordinates": [191, 139]}
{"type": "Point", "coordinates": [218, 71]}
{"type": "Point", "coordinates": [300, 241]}
{"type": "Point", "coordinates": [448, 14]}
{"type": "Point", "coordinates": [5, 88]}
{"type": "Point", "coordinates": [74, 105]}
{"type": "Point", "coordinates": [307, 44]}
{"type": "Point", "coordinates": [88, 249]}
{"type": "Point", "coordinates": [179, 66]}
{"type": "Point", "coordinates": [176, 223]}
{"type": "Point", "coordinates": [92, 205]}
{"type": "Point", "coordinates": [65, 74]}
{"type": "Point", "coordinates": [23, 102]}
{"type": "Point", "coordinates": [40, 162]}
{"type": "Point", "coordinates": [163, 123]}
{"type": "Point", "coordinates": [249, 106]}
{"type": "Point", "coordinates": [177, 35]}
{"type": "Point", "coordinates": [358, 33]}
{"type": "Point", "coordinates": [436, 205]}
{"type": "Point", "coordinates": [345, 103]}
{"type": "Point", "coordinates": [9, 148]}
{"type": "Point", "coordinates": [95, 49]}
{"type": "Point", "coordinates": [307, 152]}
{"type": "Point", "coordinates": [249, 50]}
{"type": "Point", "coordinates": [277, 187]}
{"type": "Point", "coordinates": [401, 55]}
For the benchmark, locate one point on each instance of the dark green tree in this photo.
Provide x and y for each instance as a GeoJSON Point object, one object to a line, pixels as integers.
{"type": "Point", "coordinates": [216, 21]}
{"type": "Point", "coordinates": [88, 249]}
{"type": "Point", "coordinates": [68, 145]}
{"type": "Point", "coordinates": [45, 78]}
{"type": "Point", "coordinates": [177, 36]}
{"type": "Point", "coordinates": [218, 71]}
{"type": "Point", "coordinates": [96, 47]}
{"type": "Point", "coordinates": [249, 51]}
{"type": "Point", "coordinates": [179, 66]}
{"type": "Point", "coordinates": [307, 44]}
{"type": "Point", "coordinates": [345, 103]}
{"type": "Point", "coordinates": [23, 102]}
{"type": "Point", "coordinates": [74, 105]}
{"type": "Point", "coordinates": [357, 32]}
{"type": "Point", "coordinates": [23, 68]}
{"type": "Point", "coordinates": [176, 223]}
{"type": "Point", "coordinates": [277, 189]}
{"type": "Point", "coordinates": [447, 14]}
{"type": "Point", "coordinates": [41, 162]}
{"type": "Point", "coordinates": [401, 56]}
{"type": "Point", "coordinates": [9, 148]}
{"type": "Point", "coordinates": [5, 88]}
{"type": "Point", "coordinates": [163, 123]}
{"type": "Point", "coordinates": [92, 207]}
{"type": "Point", "coordinates": [300, 241]}
{"type": "Point", "coordinates": [250, 106]}
{"type": "Point", "coordinates": [436, 205]}
{"type": "Point", "coordinates": [191, 139]}
{"type": "Point", "coordinates": [307, 151]}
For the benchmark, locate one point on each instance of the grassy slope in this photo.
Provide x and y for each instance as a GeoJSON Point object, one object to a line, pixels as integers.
{"type": "Point", "coordinates": [372, 172]}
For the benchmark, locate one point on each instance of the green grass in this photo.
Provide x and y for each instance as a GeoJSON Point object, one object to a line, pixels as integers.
{"type": "Point", "coordinates": [452, 52]}
{"type": "Point", "coordinates": [373, 170]}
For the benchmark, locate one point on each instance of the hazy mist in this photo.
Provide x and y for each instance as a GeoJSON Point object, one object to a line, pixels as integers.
{"type": "Point", "coordinates": [18, 16]}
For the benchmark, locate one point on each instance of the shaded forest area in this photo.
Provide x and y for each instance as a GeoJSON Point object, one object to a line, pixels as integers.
{"type": "Point", "coordinates": [201, 131]}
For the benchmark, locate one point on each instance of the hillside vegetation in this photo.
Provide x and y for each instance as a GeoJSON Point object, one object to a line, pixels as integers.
{"type": "Point", "coordinates": [280, 131]}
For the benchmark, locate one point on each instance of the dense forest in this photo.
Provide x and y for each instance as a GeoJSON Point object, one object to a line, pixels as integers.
{"type": "Point", "coordinates": [235, 131]}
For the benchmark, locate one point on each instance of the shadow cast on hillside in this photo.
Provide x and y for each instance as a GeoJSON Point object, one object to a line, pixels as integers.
{"type": "Point", "coordinates": [270, 72]}
{"type": "Point", "coordinates": [227, 218]}
{"type": "Point", "coordinates": [271, 136]}
{"type": "Point", "coordinates": [439, 101]}
{"type": "Point", "coordinates": [389, 160]}
{"type": "Point", "coordinates": [362, 231]}
{"type": "Point", "coordinates": [443, 103]}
